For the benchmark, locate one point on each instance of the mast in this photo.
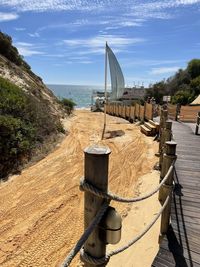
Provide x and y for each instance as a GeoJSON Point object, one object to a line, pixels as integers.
{"type": "Point", "coordinates": [105, 92]}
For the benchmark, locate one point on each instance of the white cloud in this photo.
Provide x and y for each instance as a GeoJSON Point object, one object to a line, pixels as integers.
{"type": "Point", "coordinates": [150, 62]}
{"type": "Point", "coordinates": [36, 34]}
{"type": "Point", "coordinates": [116, 24]}
{"type": "Point", "coordinates": [98, 6]}
{"type": "Point", "coordinates": [8, 16]}
{"type": "Point", "coordinates": [27, 49]}
{"type": "Point", "coordinates": [164, 70]}
{"type": "Point", "coordinates": [20, 29]}
{"type": "Point", "coordinates": [47, 5]}
{"type": "Point", "coordinates": [98, 42]}
{"type": "Point", "coordinates": [23, 44]}
{"type": "Point", "coordinates": [27, 52]}
{"type": "Point", "coordinates": [159, 9]}
{"type": "Point", "coordinates": [84, 62]}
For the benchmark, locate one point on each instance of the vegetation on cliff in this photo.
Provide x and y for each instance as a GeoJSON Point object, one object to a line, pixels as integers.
{"type": "Point", "coordinates": [184, 86]}
{"type": "Point", "coordinates": [30, 115]}
{"type": "Point", "coordinates": [68, 105]}
{"type": "Point", "coordinates": [24, 123]}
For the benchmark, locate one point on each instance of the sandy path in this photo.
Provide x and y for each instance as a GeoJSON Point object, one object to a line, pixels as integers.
{"type": "Point", "coordinates": [41, 210]}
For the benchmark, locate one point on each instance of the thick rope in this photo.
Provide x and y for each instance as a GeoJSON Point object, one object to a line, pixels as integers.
{"type": "Point", "coordinates": [85, 235]}
{"type": "Point", "coordinates": [105, 259]}
{"type": "Point", "coordinates": [85, 186]}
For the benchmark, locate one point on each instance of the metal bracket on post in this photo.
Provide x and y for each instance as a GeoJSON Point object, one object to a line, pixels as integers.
{"type": "Point", "coordinates": [96, 173]}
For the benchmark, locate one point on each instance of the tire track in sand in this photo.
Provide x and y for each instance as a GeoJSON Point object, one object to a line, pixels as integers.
{"type": "Point", "coordinates": [42, 209]}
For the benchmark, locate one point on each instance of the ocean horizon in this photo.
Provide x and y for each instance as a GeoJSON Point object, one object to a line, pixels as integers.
{"type": "Point", "coordinates": [80, 94]}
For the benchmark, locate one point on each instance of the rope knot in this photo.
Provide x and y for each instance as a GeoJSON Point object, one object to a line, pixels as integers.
{"type": "Point", "coordinates": [85, 257]}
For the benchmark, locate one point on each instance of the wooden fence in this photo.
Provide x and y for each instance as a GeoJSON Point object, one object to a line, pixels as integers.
{"type": "Point", "coordinates": [172, 112]}
{"type": "Point", "coordinates": [130, 112]}
{"type": "Point", "coordinates": [183, 113]}
{"type": "Point", "coordinates": [137, 110]}
{"type": "Point", "coordinates": [189, 113]}
{"type": "Point", "coordinates": [148, 114]}
{"type": "Point", "coordinates": [141, 113]}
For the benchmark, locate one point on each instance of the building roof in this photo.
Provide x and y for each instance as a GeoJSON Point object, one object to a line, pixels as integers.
{"type": "Point", "coordinates": [196, 101]}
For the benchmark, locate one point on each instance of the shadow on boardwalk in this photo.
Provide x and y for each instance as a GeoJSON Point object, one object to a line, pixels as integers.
{"type": "Point", "coordinates": [181, 245]}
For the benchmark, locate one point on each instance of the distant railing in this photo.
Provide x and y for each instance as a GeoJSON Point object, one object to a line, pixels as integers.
{"type": "Point", "coordinates": [100, 228]}
{"type": "Point", "coordinates": [188, 113]}
{"type": "Point", "coordinates": [182, 113]}
{"type": "Point", "coordinates": [129, 112]}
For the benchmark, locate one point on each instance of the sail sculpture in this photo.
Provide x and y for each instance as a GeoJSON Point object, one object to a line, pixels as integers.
{"type": "Point", "coordinates": [117, 80]}
{"type": "Point", "coordinates": [116, 75]}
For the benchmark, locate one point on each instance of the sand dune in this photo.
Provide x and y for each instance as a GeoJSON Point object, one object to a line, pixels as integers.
{"type": "Point", "coordinates": [41, 209]}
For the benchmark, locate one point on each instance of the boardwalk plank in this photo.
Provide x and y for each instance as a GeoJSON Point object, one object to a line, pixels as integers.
{"type": "Point", "coordinates": [181, 246]}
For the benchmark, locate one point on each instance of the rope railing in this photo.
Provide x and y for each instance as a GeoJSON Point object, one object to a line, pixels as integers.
{"type": "Point", "coordinates": [85, 186]}
{"type": "Point", "coordinates": [97, 191]}
{"type": "Point", "coordinates": [85, 235]}
{"type": "Point", "coordinates": [98, 261]}
{"type": "Point", "coordinates": [109, 196]}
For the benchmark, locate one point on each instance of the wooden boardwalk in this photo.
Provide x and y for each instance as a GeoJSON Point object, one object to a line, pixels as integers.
{"type": "Point", "coordinates": [181, 245]}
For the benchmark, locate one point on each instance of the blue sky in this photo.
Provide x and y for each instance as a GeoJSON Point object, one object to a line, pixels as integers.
{"type": "Point", "coordinates": [63, 40]}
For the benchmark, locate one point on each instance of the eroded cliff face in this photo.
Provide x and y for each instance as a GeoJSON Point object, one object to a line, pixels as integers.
{"type": "Point", "coordinates": [30, 115]}
{"type": "Point", "coordinates": [31, 84]}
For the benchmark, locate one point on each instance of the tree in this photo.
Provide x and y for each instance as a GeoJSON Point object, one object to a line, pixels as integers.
{"type": "Point", "coordinates": [157, 91]}
{"type": "Point", "coordinates": [182, 97]}
{"type": "Point", "coordinates": [193, 68]}
{"type": "Point", "coordinates": [195, 86]}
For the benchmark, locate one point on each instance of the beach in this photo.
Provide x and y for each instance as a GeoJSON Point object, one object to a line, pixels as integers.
{"type": "Point", "coordinates": [41, 209]}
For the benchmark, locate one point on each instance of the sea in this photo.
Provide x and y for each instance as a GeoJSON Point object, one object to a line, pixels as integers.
{"type": "Point", "coordinates": [80, 94]}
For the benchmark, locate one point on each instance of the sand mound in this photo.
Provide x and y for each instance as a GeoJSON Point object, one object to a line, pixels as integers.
{"type": "Point", "coordinates": [41, 210]}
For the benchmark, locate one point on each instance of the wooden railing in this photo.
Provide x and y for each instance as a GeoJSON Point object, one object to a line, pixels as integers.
{"type": "Point", "coordinates": [188, 113]}
{"type": "Point", "coordinates": [148, 111]}
{"type": "Point", "coordinates": [102, 222]}
{"type": "Point", "coordinates": [182, 113]}
{"type": "Point", "coordinates": [172, 111]}
{"type": "Point", "coordinates": [130, 113]}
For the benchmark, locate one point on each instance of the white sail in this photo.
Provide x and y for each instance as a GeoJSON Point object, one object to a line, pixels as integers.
{"type": "Point", "coordinates": [116, 75]}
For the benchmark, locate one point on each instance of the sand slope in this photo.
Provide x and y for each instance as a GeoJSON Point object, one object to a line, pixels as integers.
{"type": "Point", "coordinates": [41, 210]}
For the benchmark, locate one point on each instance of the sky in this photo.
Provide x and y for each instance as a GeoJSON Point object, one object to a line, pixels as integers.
{"type": "Point", "coordinates": [64, 40]}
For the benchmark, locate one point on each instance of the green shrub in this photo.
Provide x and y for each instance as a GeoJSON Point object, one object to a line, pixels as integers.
{"type": "Point", "coordinates": [182, 97]}
{"type": "Point", "coordinates": [68, 104]}
{"type": "Point", "coordinates": [17, 138]}
{"type": "Point", "coordinates": [25, 122]}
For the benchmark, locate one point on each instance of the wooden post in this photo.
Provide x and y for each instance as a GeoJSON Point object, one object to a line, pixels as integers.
{"type": "Point", "coordinates": [163, 119]}
{"type": "Point", "coordinates": [166, 189]}
{"type": "Point", "coordinates": [198, 122]}
{"type": "Point", "coordinates": [166, 136]}
{"type": "Point", "coordinates": [96, 173]}
{"type": "Point", "coordinates": [145, 112]}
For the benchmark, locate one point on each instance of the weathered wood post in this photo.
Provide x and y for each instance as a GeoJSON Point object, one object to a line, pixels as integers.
{"type": "Point", "coordinates": [163, 119]}
{"type": "Point", "coordinates": [166, 189]}
{"type": "Point", "coordinates": [198, 122]}
{"type": "Point", "coordinates": [145, 111]}
{"type": "Point", "coordinates": [96, 173]}
{"type": "Point", "coordinates": [166, 136]}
